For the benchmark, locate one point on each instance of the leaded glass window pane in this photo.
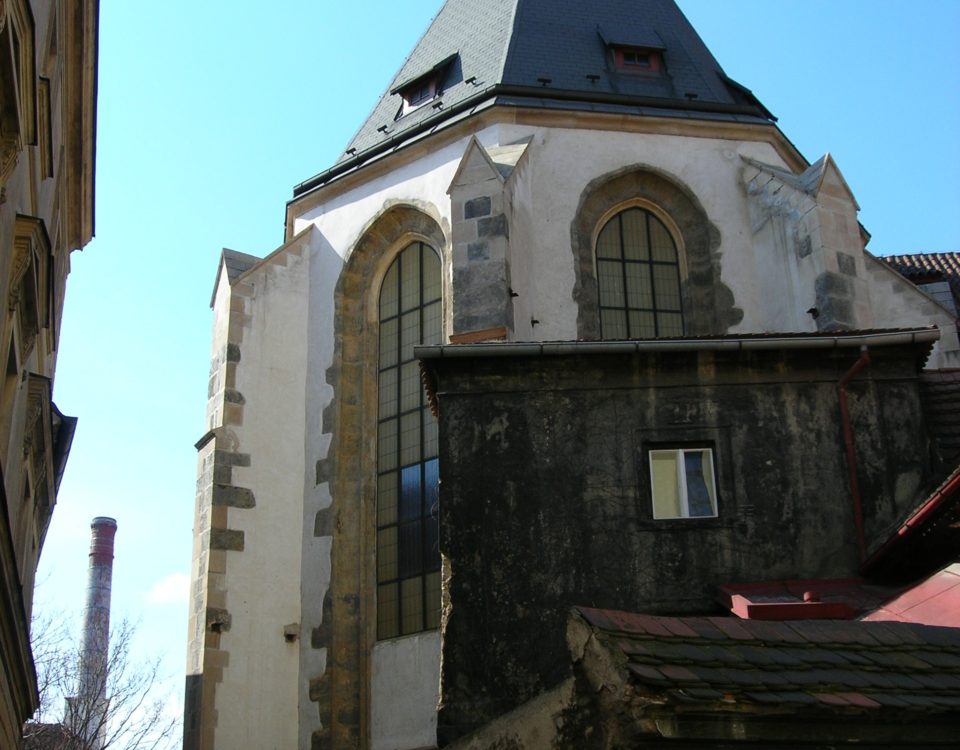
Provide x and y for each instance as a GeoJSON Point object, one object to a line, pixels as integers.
{"type": "Point", "coordinates": [634, 230]}
{"type": "Point", "coordinates": [408, 556]}
{"type": "Point", "coordinates": [638, 278]}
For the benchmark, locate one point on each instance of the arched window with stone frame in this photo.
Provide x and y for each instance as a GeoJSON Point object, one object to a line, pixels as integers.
{"type": "Point", "coordinates": [639, 271]}
{"type": "Point", "coordinates": [410, 312]}
{"type": "Point", "coordinates": [707, 305]}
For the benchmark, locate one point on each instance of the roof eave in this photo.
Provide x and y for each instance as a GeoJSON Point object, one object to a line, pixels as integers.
{"type": "Point", "coordinates": [531, 92]}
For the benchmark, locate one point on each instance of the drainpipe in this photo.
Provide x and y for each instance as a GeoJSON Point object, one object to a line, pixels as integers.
{"type": "Point", "coordinates": [862, 362]}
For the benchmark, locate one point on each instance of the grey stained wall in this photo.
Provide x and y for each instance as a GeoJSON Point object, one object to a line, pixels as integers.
{"type": "Point", "coordinates": [546, 502]}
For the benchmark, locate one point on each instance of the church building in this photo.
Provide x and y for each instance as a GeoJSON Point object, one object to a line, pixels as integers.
{"type": "Point", "coordinates": [570, 324]}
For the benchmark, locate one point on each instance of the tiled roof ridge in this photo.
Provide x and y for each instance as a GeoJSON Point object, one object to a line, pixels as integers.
{"type": "Point", "coordinates": [911, 264]}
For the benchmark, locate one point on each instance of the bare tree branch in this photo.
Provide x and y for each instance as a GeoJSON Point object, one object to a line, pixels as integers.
{"type": "Point", "coordinates": [133, 716]}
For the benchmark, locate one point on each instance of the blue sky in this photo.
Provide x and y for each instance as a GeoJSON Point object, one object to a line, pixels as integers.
{"type": "Point", "coordinates": [210, 112]}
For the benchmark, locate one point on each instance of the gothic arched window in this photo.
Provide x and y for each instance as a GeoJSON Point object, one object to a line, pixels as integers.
{"type": "Point", "coordinates": [408, 554]}
{"type": "Point", "coordinates": [638, 275]}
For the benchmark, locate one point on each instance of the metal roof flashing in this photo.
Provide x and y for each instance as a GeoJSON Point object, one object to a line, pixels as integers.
{"type": "Point", "coordinates": [756, 342]}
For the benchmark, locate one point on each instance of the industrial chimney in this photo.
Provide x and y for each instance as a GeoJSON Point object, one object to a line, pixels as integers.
{"type": "Point", "coordinates": [87, 711]}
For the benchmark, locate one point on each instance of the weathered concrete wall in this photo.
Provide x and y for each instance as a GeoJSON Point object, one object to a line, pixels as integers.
{"type": "Point", "coordinates": [565, 516]}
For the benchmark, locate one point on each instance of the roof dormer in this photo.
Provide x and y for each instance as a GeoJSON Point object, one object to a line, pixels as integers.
{"type": "Point", "coordinates": [423, 87]}
{"type": "Point", "coordinates": [634, 52]}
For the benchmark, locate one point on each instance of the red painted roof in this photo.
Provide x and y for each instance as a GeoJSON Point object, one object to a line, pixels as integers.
{"type": "Point", "coordinates": [826, 599]}
{"type": "Point", "coordinates": [935, 601]}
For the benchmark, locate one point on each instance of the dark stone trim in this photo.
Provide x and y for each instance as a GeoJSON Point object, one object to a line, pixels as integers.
{"type": "Point", "coordinates": [345, 630]}
{"type": "Point", "coordinates": [226, 539]}
{"type": "Point", "coordinates": [708, 304]}
{"type": "Point", "coordinates": [233, 497]}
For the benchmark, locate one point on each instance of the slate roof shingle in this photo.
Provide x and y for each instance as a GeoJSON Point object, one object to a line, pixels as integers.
{"type": "Point", "coordinates": [550, 54]}
{"type": "Point", "coordinates": [817, 664]}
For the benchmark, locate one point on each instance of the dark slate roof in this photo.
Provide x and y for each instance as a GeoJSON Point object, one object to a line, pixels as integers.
{"type": "Point", "coordinates": [238, 263]}
{"type": "Point", "coordinates": [550, 54]}
{"type": "Point", "coordinates": [722, 663]}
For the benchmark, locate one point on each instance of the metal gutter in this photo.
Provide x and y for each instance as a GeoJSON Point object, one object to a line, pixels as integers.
{"type": "Point", "coordinates": [533, 92]}
{"type": "Point", "coordinates": [725, 344]}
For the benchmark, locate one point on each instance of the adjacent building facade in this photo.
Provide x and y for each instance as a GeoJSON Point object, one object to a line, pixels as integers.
{"type": "Point", "coordinates": [539, 174]}
{"type": "Point", "coordinates": [48, 84]}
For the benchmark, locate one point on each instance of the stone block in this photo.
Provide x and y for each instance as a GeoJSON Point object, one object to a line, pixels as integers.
{"type": "Point", "coordinates": [233, 415]}
{"type": "Point", "coordinates": [231, 458]}
{"type": "Point", "coordinates": [847, 264]}
{"type": "Point", "coordinates": [494, 226]}
{"type": "Point", "coordinates": [324, 522]}
{"type": "Point", "coordinates": [219, 621]}
{"type": "Point", "coordinates": [477, 207]}
{"type": "Point", "coordinates": [233, 497]}
{"type": "Point", "coordinates": [226, 539]}
{"type": "Point", "coordinates": [232, 396]}
{"type": "Point", "coordinates": [478, 251]}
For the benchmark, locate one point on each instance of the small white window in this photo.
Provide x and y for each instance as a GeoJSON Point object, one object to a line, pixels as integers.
{"type": "Point", "coordinates": [682, 483]}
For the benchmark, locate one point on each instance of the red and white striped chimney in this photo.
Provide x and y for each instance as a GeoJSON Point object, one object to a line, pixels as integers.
{"type": "Point", "coordinates": [89, 707]}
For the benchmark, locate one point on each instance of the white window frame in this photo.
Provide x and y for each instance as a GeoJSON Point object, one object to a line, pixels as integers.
{"type": "Point", "coordinates": [680, 464]}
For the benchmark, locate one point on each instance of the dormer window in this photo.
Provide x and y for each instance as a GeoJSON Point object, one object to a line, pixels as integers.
{"type": "Point", "coordinates": [633, 50]}
{"type": "Point", "coordinates": [424, 86]}
{"type": "Point", "coordinates": [419, 93]}
{"type": "Point", "coordinates": [637, 60]}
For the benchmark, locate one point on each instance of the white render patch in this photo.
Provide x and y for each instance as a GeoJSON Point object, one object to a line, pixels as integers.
{"type": "Point", "coordinates": [405, 692]}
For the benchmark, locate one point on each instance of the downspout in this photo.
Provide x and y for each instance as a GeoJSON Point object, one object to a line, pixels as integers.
{"type": "Point", "coordinates": [861, 362]}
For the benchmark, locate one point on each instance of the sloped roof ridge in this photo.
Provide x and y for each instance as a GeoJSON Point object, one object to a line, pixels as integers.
{"type": "Point", "coordinates": [393, 81]}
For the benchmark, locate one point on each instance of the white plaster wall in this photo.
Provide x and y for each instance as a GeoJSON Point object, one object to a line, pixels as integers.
{"type": "Point", "coordinates": [523, 277]}
{"type": "Point", "coordinates": [405, 691]}
{"type": "Point", "coordinates": [899, 304]}
{"type": "Point", "coordinates": [258, 699]}
{"type": "Point", "coordinates": [563, 162]}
